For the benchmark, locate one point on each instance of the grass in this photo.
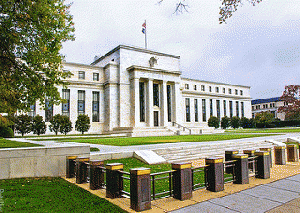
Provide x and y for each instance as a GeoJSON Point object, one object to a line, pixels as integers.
{"type": "Point", "coordinates": [157, 140]}
{"type": "Point", "coordinates": [50, 195]}
{"type": "Point", "coordinates": [14, 144]}
{"type": "Point", "coordinates": [94, 149]}
{"type": "Point", "coordinates": [160, 185]}
{"type": "Point", "coordinates": [265, 130]}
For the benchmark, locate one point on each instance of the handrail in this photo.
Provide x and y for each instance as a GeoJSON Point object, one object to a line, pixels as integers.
{"type": "Point", "coordinates": [180, 126]}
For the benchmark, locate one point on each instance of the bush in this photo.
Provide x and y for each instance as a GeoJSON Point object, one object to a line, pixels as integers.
{"type": "Point", "coordinates": [245, 122]}
{"type": "Point", "coordinates": [55, 123]}
{"type": "Point", "coordinates": [82, 124]}
{"type": "Point", "coordinates": [263, 119]}
{"type": "Point", "coordinates": [235, 122]}
{"type": "Point", "coordinates": [38, 125]}
{"type": "Point", "coordinates": [225, 122]}
{"type": "Point", "coordinates": [6, 132]}
{"type": "Point", "coordinates": [23, 124]}
{"type": "Point", "coordinates": [213, 122]}
{"type": "Point", "coordinates": [65, 124]}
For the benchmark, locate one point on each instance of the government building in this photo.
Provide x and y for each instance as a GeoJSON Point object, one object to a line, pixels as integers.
{"type": "Point", "coordinates": [139, 92]}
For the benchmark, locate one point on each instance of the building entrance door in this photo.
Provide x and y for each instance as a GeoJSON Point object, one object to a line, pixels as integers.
{"type": "Point", "coordinates": [155, 118]}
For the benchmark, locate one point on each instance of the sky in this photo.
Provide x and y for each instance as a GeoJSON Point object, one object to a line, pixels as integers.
{"type": "Point", "coordinates": [258, 46]}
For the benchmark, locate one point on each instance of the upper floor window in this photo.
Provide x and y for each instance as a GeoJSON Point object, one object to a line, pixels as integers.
{"type": "Point", "coordinates": [224, 90]}
{"type": "Point", "coordinates": [195, 87]}
{"type": "Point", "coordinates": [95, 76]}
{"type": "Point", "coordinates": [155, 95]}
{"type": "Point", "coordinates": [186, 86]}
{"type": "Point", "coordinates": [241, 92]}
{"type": "Point", "coordinates": [236, 92]}
{"type": "Point", "coordinates": [229, 91]}
{"type": "Point", "coordinates": [202, 88]}
{"type": "Point", "coordinates": [81, 75]}
{"type": "Point", "coordinates": [209, 88]}
{"type": "Point", "coordinates": [217, 89]}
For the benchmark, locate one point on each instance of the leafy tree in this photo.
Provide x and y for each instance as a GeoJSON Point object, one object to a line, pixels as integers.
{"type": "Point", "coordinates": [31, 34]}
{"type": "Point", "coordinates": [5, 130]}
{"type": "Point", "coordinates": [263, 119]}
{"type": "Point", "coordinates": [225, 122]}
{"type": "Point", "coordinates": [55, 123]}
{"type": "Point", "coordinates": [245, 122]}
{"type": "Point", "coordinates": [82, 124]}
{"type": "Point", "coordinates": [291, 97]}
{"type": "Point", "coordinates": [235, 122]}
{"type": "Point", "coordinates": [213, 122]}
{"type": "Point", "coordinates": [226, 10]}
{"type": "Point", "coordinates": [38, 125]}
{"type": "Point", "coordinates": [65, 124]}
{"type": "Point", "coordinates": [23, 124]}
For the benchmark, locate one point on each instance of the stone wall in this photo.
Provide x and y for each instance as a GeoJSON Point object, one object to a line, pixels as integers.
{"type": "Point", "coordinates": [38, 161]}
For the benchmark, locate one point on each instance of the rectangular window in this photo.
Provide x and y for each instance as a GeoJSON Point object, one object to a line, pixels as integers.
{"type": "Point", "coordinates": [95, 76]}
{"type": "Point", "coordinates": [196, 111]}
{"type": "Point", "coordinates": [218, 109]}
{"type": "Point", "coordinates": [48, 110]}
{"type": "Point", "coordinates": [224, 90]}
{"type": "Point", "coordinates": [66, 103]}
{"type": "Point", "coordinates": [241, 92]}
{"type": "Point", "coordinates": [32, 111]}
{"type": "Point", "coordinates": [204, 110]}
{"type": "Point", "coordinates": [230, 109]}
{"type": "Point", "coordinates": [142, 102]}
{"type": "Point", "coordinates": [236, 92]}
{"type": "Point", "coordinates": [95, 107]}
{"type": "Point", "coordinates": [188, 111]}
{"type": "Point", "coordinates": [202, 88]}
{"type": "Point", "coordinates": [156, 95]}
{"type": "Point", "coordinates": [229, 91]}
{"type": "Point", "coordinates": [224, 105]}
{"type": "Point", "coordinates": [211, 107]}
{"type": "Point", "coordinates": [81, 102]}
{"type": "Point", "coordinates": [237, 109]}
{"type": "Point", "coordinates": [81, 75]}
{"type": "Point", "coordinates": [195, 87]}
{"type": "Point", "coordinates": [242, 108]}
{"type": "Point", "coordinates": [169, 103]}
{"type": "Point", "coordinates": [209, 88]}
{"type": "Point", "coordinates": [217, 89]}
{"type": "Point", "coordinates": [186, 86]}
{"type": "Point", "coordinates": [253, 108]}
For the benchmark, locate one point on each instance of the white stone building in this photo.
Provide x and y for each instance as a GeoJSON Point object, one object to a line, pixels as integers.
{"type": "Point", "coordinates": [141, 92]}
{"type": "Point", "coordinates": [270, 105]}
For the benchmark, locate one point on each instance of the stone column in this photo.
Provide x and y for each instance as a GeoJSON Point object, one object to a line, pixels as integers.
{"type": "Point", "coordinates": [177, 105]}
{"type": "Point", "coordinates": [136, 101]}
{"type": "Point", "coordinates": [164, 108]}
{"type": "Point", "coordinates": [149, 102]}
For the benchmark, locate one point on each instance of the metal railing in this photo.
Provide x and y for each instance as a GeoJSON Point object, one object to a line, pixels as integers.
{"type": "Point", "coordinates": [126, 180]}
{"type": "Point", "coordinates": [199, 173]}
{"type": "Point", "coordinates": [252, 165]}
{"type": "Point", "coordinates": [230, 176]}
{"type": "Point", "coordinates": [183, 127]}
{"type": "Point", "coordinates": [167, 176]}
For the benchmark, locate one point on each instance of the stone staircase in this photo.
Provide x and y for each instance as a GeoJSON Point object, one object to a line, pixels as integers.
{"type": "Point", "coordinates": [143, 131]}
{"type": "Point", "coordinates": [195, 152]}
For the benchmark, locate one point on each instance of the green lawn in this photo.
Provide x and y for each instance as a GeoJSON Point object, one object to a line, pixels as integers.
{"type": "Point", "coordinates": [50, 195]}
{"type": "Point", "coordinates": [14, 144]}
{"type": "Point", "coordinates": [265, 130]}
{"type": "Point", "coordinates": [155, 140]}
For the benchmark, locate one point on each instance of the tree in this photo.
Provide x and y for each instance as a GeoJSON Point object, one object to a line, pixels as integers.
{"type": "Point", "coordinates": [291, 97]}
{"type": "Point", "coordinates": [38, 125]}
{"type": "Point", "coordinates": [31, 34]}
{"type": "Point", "coordinates": [23, 124]}
{"type": "Point", "coordinates": [65, 125]}
{"type": "Point", "coordinates": [82, 124]}
{"type": "Point", "coordinates": [5, 130]}
{"type": "Point", "coordinates": [55, 123]}
{"type": "Point", "coordinates": [262, 119]}
{"type": "Point", "coordinates": [213, 122]}
{"type": "Point", "coordinates": [225, 122]}
{"type": "Point", "coordinates": [235, 122]}
{"type": "Point", "coordinates": [226, 10]}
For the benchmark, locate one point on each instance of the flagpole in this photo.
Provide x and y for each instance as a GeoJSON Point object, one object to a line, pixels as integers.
{"type": "Point", "coordinates": [145, 35]}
